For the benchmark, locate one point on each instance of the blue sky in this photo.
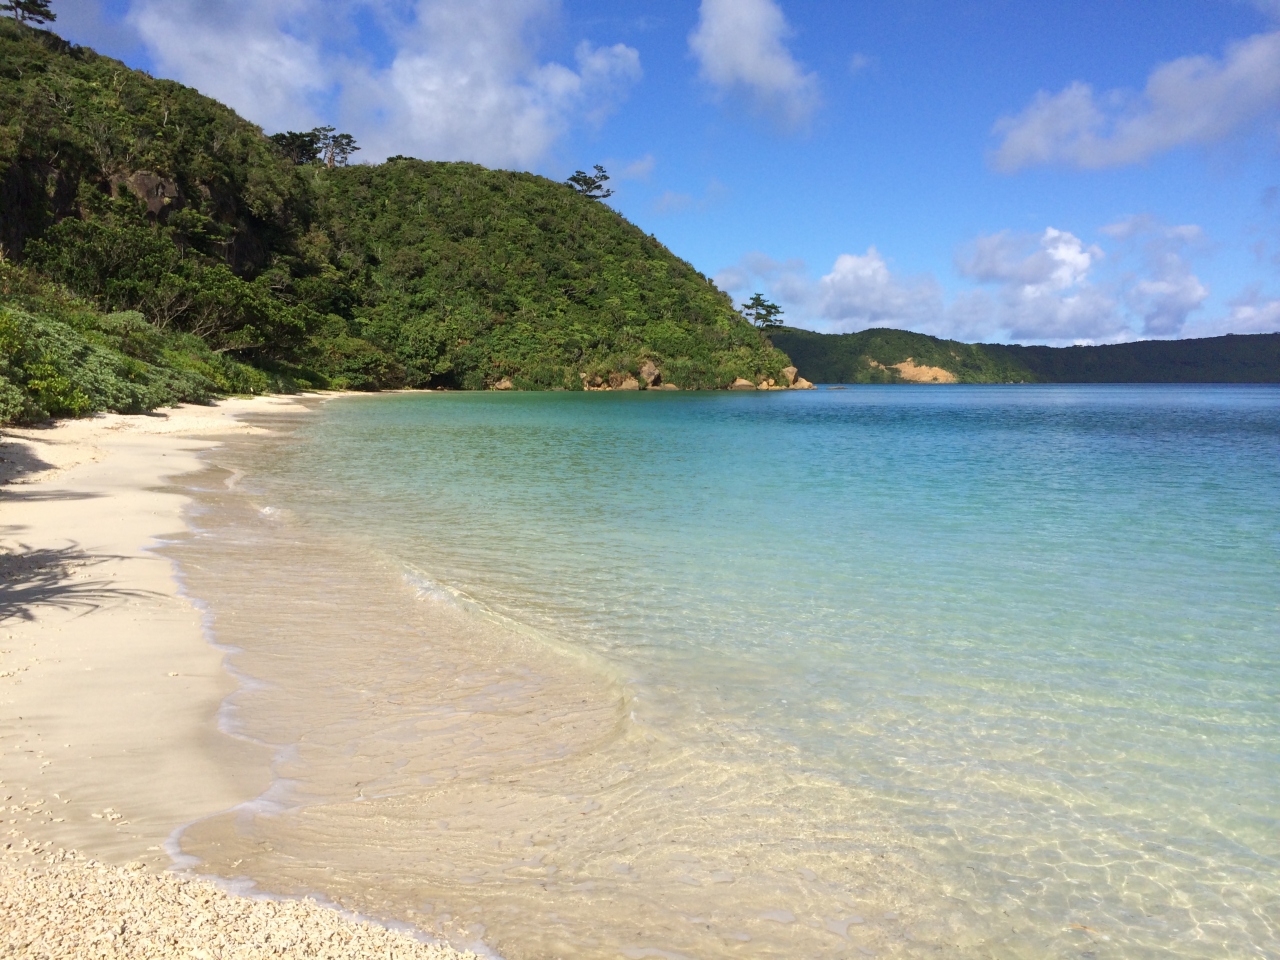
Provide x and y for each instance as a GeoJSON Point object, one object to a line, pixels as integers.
{"type": "Point", "coordinates": [983, 169]}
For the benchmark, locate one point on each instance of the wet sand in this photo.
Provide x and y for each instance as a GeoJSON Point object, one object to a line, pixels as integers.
{"type": "Point", "coordinates": [109, 689]}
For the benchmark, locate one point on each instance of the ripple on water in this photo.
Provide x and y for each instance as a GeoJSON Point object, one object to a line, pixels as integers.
{"type": "Point", "coordinates": [871, 671]}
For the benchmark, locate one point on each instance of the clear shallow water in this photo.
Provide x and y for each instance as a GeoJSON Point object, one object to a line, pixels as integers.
{"type": "Point", "coordinates": [991, 671]}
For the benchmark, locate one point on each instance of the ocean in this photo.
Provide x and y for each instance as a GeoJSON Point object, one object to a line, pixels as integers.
{"type": "Point", "coordinates": [903, 671]}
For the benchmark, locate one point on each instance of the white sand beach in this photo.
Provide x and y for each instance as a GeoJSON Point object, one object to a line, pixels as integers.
{"type": "Point", "coordinates": [109, 689]}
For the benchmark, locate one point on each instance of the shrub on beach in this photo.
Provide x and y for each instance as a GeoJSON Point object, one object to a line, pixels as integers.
{"type": "Point", "coordinates": [60, 356]}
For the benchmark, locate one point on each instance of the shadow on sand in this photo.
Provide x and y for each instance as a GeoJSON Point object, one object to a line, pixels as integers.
{"type": "Point", "coordinates": [20, 459]}
{"type": "Point", "coordinates": [31, 580]}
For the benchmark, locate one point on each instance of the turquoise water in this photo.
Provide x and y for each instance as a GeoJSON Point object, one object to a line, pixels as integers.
{"type": "Point", "coordinates": [1031, 635]}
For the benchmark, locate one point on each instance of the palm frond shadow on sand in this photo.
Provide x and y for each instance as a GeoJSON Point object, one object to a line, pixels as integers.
{"type": "Point", "coordinates": [31, 580]}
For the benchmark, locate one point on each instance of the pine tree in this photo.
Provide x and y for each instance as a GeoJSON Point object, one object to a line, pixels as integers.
{"type": "Point", "coordinates": [322, 143]}
{"type": "Point", "coordinates": [36, 11]}
{"type": "Point", "coordinates": [299, 147]}
{"type": "Point", "coordinates": [590, 186]}
{"type": "Point", "coordinates": [337, 148]}
{"type": "Point", "coordinates": [762, 312]}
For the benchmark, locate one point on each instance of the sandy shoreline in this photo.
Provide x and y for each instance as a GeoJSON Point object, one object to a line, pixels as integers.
{"type": "Point", "coordinates": [109, 690]}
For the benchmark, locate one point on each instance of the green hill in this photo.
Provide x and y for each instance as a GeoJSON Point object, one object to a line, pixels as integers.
{"type": "Point", "coordinates": [1235, 358]}
{"type": "Point", "coordinates": [879, 356]}
{"type": "Point", "coordinates": [898, 356]}
{"type": "Point", "coordinates": [468, 276]}
{"type": "Point", "coordinates": [130, 195]}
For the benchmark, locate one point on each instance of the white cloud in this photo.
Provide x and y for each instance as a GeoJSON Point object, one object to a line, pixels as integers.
{"type": "Point", "coordinates": [860, 292]}
{"type": "Point", "coordinates": [1167, 291]}
{"type": "Point", "coordinates": [1193, 100]}
{"type": "Point", "coordinates": [785, 278]}
{"type": "Point", "coordinates": [740, 45]}
{"type": "Point", "coordinates": [1251, 313]}
{"type": "Point", "coordinates": [1054, 260]}
{"type": "Point", "coordinates": [1029, 288]}
{"type": "Point", "coordinates": [465, 85]}
{"type": "Point", "coordinates": [241, 54]}
{"type": "Point", "coordinates": [1045, 292]}
{"type": "Point", "coordinates": [463, 81]}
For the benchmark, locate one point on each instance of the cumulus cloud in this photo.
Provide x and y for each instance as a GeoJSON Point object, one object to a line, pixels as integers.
{"type": "Point", "coordinates": [1166, 292]}
{"type": "Point", "coordinates": [861, 291]}
{"type": "Point", "coordinates": [1053, 260]}
{"type": "Point", "coordinates": [1193, 100]}
{"type": "Point", "coordinates": [1044, 288]}
{"type": "Point", "coordinates": [462, 82]}
{"type": "Point", "coordinates": [740, 46]}
{"type": "Point", "coordinates": [1251, 313]}
{"type": "Point", "coordinates": [1047, 287]}
{"type": "Point", "coordinates": [242, 54]}
{"type": "Point", "coordinates": [784, 278]}
{"type": "Point", "coordinates": [465, 85]}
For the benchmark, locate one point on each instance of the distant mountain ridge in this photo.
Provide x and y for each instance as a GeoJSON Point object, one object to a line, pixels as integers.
{"type": "Point", "coordinates": [884, 355]}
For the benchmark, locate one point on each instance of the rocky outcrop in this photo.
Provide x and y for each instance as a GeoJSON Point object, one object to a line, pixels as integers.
{"type": "Point", "coordinates": [802, 384]}
{"type": "Point", "coordinates": [908, 371]}
{"type": "Point", "coordinates": [789, 374]}
{"type": "Point", "coordinates": [742, 384]}
{"type": "Point", "coordinates": [623, 381]}
{"type": "Point", "coordinates": [158, 193]}
{"type": "Point", "coordinates": [504, 384]}
{"type": "Point", "coordinates": [650, 374]}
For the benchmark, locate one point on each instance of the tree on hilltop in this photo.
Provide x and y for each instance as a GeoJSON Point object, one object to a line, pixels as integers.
{"type": "Point", "coordinates": [591, 186]}
{"type": "Point", "coordinates": [36, 11]}
{"type": "Point", "coordinates": [322, 143]}
{"type": "Point", "coordinates": [335, 148]}
{"type": "Point", "coordinates": [762, 312]}
{"type": "Point", "coordinates": [299, 147]}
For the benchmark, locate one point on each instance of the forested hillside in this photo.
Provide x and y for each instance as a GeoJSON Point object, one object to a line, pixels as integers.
{"type": "Point", "coordinates": [474, 275]}
{"type": "Point", "coordinates": [894, 356]}
{"type": "Point", "coordinates": [121, 195]}
{"type": "Point", "coordinates": [1235, 358]}
{"type": "Point", "coordinates": [897, 356]}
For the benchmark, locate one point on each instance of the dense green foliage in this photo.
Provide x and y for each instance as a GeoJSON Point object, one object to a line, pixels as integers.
{"type": "Point", "coordinates": [476, 275]}
{"type": "Point", "coordinates": [869, 357]}
{"type": "Point", "coordinates": [61, 356]}
{"type": "Point", "coordinates": [141, 195]}
{"type": "Point", "coordinates": [1235, 358]}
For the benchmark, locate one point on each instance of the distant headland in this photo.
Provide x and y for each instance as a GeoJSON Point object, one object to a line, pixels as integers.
{"type": "Point", "coordinates": [899, 356]}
